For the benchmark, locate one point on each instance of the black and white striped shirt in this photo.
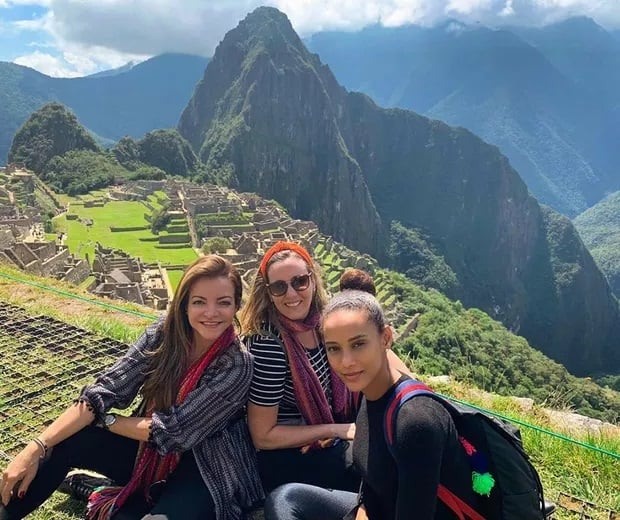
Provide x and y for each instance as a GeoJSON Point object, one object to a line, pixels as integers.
{"type": "Point", "coordinates": [272, 384]}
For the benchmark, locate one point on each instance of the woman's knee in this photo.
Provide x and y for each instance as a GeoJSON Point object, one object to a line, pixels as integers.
{"type": "Point", "coordinates": [286, 501]}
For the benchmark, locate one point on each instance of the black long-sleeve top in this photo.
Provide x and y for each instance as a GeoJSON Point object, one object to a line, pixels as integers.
{"type": "Point", "coordinates": [427, 452]}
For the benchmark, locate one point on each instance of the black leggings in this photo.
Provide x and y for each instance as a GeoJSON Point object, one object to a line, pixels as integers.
{"type": "Point", "coordinates": [328, 468]}
{"type": "Point", "coordinates": [185, 496]}
{"type": "Point", "coordinates": [305, 502]}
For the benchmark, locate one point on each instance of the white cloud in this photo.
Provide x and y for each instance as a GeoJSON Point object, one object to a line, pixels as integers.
{"type": "Point", "coordinates": [47, 64]}
{"type": "Point", "coordinates": [310, 16]}
{"type": "Point", "coordinates": [11, 3]}
{"type": "Point", "coordinates": [147, 26]}
{"type": "Point", "coordinates": [91, 35]}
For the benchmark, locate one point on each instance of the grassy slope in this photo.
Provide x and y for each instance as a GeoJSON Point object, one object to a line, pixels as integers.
{"type": "Point", "coordinates": [120, 325]}
{"type": "Point", "coordinates": [81, 238]}
{"type": "Point", "coordinates": [564, 467]}
{"type": "Point", "coordinates": [599, 228]}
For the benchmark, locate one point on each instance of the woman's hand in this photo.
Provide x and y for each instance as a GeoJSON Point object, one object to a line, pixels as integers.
{"type": "Point", "coordinates": [22, 469]}
{"type": "Point", "coordinates": [346, 431]}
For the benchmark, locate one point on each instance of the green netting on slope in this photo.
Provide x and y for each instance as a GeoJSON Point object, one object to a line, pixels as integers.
{"type": "Point", "coordinates": [44, 364]}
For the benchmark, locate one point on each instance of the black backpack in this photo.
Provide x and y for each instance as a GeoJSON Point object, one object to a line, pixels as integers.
{"type": "Point", "coordinates": [505, 483]}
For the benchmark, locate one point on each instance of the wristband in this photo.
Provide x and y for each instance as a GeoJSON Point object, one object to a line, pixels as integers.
{"type": "Point", "coordinates": [42, 446]}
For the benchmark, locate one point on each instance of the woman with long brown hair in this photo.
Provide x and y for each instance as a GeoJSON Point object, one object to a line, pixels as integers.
{"type": "Point", "coordinates": [300, 415]}
{"type": "Point", "coordinates": [186, 453]}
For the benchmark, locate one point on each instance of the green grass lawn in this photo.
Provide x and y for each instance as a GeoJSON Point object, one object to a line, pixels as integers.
{"type": "Point", "coordinates": [81, 239]}
{"type": "Point", "coordinates": [175, 277]}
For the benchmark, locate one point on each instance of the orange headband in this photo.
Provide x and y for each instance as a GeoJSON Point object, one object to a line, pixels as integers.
{"type": "Point", "coordinates": [283, 246]}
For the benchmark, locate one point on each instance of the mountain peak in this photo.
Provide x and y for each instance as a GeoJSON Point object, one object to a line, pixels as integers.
{"type": "Point", "coordinates": [582, 31]}
{"type": "Point", "coordinates": [266, 25]}
{"type": "Point", "coordinates": [579, 22]}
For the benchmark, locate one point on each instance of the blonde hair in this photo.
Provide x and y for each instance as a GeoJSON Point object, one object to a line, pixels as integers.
{"type": "Point", "coordinates": [259, 309]}
{"type": "Point", "coordinates": [170, 360]}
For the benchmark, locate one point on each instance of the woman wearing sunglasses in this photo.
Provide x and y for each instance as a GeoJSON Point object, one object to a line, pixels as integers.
{"type": "Point", "coordinates": [300, 414]}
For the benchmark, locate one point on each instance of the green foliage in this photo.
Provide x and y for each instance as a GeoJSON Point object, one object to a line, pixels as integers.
{"type": "Point", "coordinates": [127, 153]}
{"type": "Point", "coordinates": [50, 131]}
{"type": "Point", "coordinates": [146, 172]}
{"type": "Point", "coordinates": [81, 171]}
{"type": "Point", "coordinates": [565, 245]}
{"type": "Point", "coordinates": [167, 150]}
{"type": "Point", "coordinates": [411, 254]}
{"type": "Point", "coordinates": [216, 245]}
{"type": "Point", "coordinates": [160, 219]}
{"type": "Point", "coordinates": [473, 347]}
{"type": "Point", "coordinates": [612, 382]}
{"type": "Point", "coordinates": [599, 228]}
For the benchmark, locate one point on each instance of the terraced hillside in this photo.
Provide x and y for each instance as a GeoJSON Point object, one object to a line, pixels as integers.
{"type": "Point", "coordinates": [122, 225]}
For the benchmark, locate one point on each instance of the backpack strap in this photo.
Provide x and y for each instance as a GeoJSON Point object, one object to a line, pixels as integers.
{"type": "Point", "coordinates": [459, 507]}
{"type": "Point", "coordinates": [405, 391]}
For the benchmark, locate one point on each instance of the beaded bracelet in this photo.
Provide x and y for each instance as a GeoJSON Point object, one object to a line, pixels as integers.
{"type": "Point", "coordinates": [42, 446]}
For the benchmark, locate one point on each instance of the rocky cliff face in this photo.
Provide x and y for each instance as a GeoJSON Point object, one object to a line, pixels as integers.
{"type": "Point", "coordinates": [269, 117]}
{"type": "Point", "coordinates": [264, 118]}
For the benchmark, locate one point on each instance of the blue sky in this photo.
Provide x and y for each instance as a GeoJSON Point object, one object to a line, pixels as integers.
{"type": "Point", "coordinates": [13, 41]}
{"type": "Point", "coordinates": [78, 37]}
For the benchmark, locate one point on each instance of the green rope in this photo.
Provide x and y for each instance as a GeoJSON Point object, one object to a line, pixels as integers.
{"type": "Point", "coordinates": [76, 296]}
{"type": "Point", "coordinates": [490, 412]}
{"type": "Point", "coordinates": [534, 427]}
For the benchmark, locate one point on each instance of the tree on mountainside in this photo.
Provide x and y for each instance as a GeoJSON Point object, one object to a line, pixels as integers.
{"type": "Point", "coordinates": [409, 253]}
{"type": "Point", "coordinates": [167, 150]}
{"type": "Point", "coordinates": [127, 153]}
{"type": "Point", "coordinates": [80, 171]}
{"type": "Point", "coordinates": [50, 131]}
{"type": "Point", "coordinates": [216, 245]}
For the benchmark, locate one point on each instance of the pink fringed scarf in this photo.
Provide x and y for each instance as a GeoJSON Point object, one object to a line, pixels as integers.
{"type": "Point", "coordinates": [311, 399]}
{"type": "Point", "coordinates": [150, 466]}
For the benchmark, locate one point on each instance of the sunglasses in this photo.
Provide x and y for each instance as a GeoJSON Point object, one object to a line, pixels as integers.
{"type": "Point", "coordinates": [299, 283]}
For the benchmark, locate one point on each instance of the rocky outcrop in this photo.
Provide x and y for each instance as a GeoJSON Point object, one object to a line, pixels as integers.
{"type": "Point", "coordinates": [269, 117]}
{"type": "Point", "coordinates": [265, 119]}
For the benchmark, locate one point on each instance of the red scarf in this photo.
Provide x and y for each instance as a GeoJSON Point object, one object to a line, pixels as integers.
{"type": "Point", "coordinates": [309, 394]}
{"type": "Point", "coordinates": [150, 466]}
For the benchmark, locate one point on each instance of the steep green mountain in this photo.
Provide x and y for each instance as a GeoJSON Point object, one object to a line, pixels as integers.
{"type": "Point", "coordinates": [265, 118]}
{"type": "Point", "coordinates": [48, 132]}
{"type": "Point", "coordinates": [53, 144]}
{"type": "Point", "coordinates": [150, 95]}
{"type": "Point", "coordinates": [560, 136]}
{"type": "Point", "coordinates": [599, 228]}
{"type": "Point", "coordinates": [269, 117]}
{"type": "Point", "coordinates": [164, 149]}
{"type": "Point", "coordinates": [583, 51]}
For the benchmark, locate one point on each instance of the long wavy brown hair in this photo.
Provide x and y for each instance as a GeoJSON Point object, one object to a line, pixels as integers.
{"type": "Point", "coordinates": [259, 309]}
{"type": "Point", "coordinates": [170, 360]}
